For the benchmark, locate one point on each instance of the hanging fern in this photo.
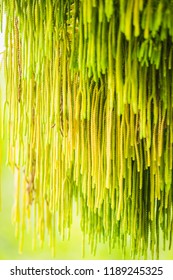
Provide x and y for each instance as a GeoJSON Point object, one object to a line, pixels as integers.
{"type": "Point", "coordinates": [89, 91]}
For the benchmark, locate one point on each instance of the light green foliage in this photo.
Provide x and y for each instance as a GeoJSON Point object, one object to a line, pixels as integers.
{"type": "Point", "coordinates": [90, 102]}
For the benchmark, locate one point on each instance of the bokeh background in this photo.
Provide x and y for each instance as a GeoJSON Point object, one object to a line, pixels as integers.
{"type": "Point", "coordinates": [9, 245]}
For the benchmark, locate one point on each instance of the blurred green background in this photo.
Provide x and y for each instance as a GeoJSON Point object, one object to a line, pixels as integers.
{"type": "Point", "coordinates": [71, 249]}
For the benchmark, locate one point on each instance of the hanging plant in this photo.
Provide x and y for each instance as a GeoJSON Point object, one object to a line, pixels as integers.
{"type": "Point", "coordinates": [89, 95]}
